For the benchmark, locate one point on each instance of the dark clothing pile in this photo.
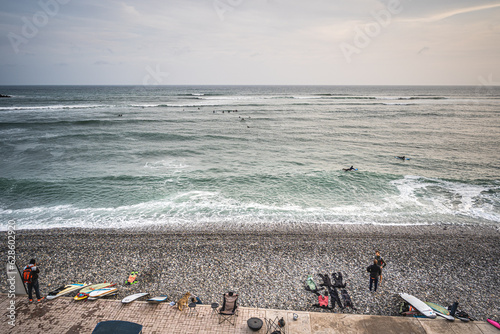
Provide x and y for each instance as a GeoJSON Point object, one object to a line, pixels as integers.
{"type": "Point", "coordinates": [332, 291]}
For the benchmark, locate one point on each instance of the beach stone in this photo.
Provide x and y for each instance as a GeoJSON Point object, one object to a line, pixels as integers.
{"type": "Point", "coordinates": [268, 268]}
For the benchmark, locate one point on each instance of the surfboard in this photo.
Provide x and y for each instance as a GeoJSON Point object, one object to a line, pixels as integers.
{"type": "Point", "coordinates": [494, 323]}
{"type": "Point", "coordinates": [84, 293]}
{"type": "Point", "coordinates": [446, 316]}
{"type": "Point", "coordinates": [102, 292]}
{"type": "Point", "coordinates": [441, 311]}
{"type": "Point", "coordinates": [158, 299]}
{"type": "Point", "coordinates": [133, 297]}
{"type": "Point", "coordinates": [64, 290]}
{"type": "Point", "coordinates": [419, 305]}
{"type": "Point", "coordinates": [349, 170]}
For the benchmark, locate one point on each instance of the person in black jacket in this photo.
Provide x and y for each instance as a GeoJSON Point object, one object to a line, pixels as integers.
{"type": "Point", "coordinates": [375, 272]}
{"type": "Point", "coordinates": [32, 283]}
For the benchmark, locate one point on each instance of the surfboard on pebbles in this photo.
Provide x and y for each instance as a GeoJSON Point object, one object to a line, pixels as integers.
{"type": "Point", "coordinates": [84, 293]}
{"type": "Point", "coordinates": [133, 297]}
{"type": "Point", "coordinates": [419, 305]}
{"type": "Point", "coordinates": [158, 299]}
{"type": "Point", "coordinates": [99, 293]}
{"type": "Point", "coordinates": [441, 311]}
{"type": "Point", "coordinates": [64, 290]}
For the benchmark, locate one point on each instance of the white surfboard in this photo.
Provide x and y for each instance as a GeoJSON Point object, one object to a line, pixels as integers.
{"type": "Point", "coordinates": [133, 297]}
{"type": "Point", "coordinates": [102, 292]}
{"type": "Point", "coordinates": [158, 299]}
{"type": "Point", "coordinates": [446, 316]}
{"type": "Point", "coordinates": [419, 305]}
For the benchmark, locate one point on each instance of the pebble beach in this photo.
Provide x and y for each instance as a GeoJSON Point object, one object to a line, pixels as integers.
{"type": "Point", "coordinates": [268, 268]}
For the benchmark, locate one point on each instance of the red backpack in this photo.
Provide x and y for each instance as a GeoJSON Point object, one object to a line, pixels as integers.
{"type": "Point", "coordinates": [28, 275]}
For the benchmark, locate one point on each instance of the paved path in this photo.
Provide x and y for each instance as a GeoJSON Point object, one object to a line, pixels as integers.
{"type": "Point", "coordinates": [64, 315]}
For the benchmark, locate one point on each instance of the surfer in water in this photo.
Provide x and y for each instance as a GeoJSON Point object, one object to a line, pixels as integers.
{"type": "Point", "coordinates": [401, 157]}
{"type": "Point", "coordinates": [349, 169]}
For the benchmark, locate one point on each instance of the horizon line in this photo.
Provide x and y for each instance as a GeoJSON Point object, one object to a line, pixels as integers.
{"type": "Point", "coordinates": [311, 85]}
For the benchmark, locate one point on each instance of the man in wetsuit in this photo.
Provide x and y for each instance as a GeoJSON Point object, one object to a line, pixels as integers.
{"type": "Point", "coordinates": [381, 263]}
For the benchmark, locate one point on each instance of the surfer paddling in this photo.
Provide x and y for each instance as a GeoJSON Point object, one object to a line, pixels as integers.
{"type": "Point", "coordinates": [349, 169]}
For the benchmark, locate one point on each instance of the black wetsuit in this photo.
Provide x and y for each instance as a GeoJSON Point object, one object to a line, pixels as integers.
{"type": "Point", "coordinates": [337, 277]}
{"type": "Point", "coordinates": [326, 280]}
{"type": "Point", "coordinates": [334, 297]}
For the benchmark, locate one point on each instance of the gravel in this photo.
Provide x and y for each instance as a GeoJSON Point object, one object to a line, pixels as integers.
{"type": "Point", "coordinates": [268, 268]}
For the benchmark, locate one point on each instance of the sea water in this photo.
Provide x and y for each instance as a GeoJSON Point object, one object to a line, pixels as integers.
{"type": "Point", "coordinates": [139, 156]}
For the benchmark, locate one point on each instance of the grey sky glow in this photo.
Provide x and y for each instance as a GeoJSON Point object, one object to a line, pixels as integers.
{"type": "Point", "coordinates": [357, 42]}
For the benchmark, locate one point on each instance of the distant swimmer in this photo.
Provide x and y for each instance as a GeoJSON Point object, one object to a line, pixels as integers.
{"type": "Point", "coordinates": [349, 169]}
{"type": "Point", "coordinates": [402, 157]}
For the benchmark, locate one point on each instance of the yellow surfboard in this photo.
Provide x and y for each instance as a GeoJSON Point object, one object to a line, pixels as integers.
{"type": "Point", "coordinates": [64, 290]}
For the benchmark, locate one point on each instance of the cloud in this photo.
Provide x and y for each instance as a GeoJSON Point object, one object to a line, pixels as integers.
{"type": "Point", "coordinates": [455, 12]}
{"type": "Point", "coordinates": [422, 50]}
{"type": "Point", "coordinates": [264, 41]}
{"type": "Point", "coordinates": [130, 10]}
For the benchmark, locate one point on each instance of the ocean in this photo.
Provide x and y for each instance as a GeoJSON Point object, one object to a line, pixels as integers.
{"type": "Point", "coordinates": [173, 156]}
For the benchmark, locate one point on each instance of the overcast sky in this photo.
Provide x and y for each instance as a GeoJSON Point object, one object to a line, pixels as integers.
{"type": "Point", "coordinates": [327, 42]}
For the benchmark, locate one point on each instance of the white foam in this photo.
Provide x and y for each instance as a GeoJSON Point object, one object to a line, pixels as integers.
{"type": "Point", "coordinates": [437, 196]}
{"type": "Point", "coordinates": [166, 164]}
{"type": "Point", "coordinates": [14, 131]}
{"type": "Point", "coordinates": [54, 107]}
{"type": "Point", "coordinates": [419, 201]}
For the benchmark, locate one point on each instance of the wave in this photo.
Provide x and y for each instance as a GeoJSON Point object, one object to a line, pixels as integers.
{"type": "Point", "coordinates": [398, 104]}
{"type": "Point", "coordinates": [410, 98]}
{"type": "Point", "coordinates": [175, 105]}
{"type": "Point", "coordinates": [98, 123]}
{"type": "Point", "coordinates": [214, 100]}
{"type": "Point", "coordinates": [199, 94]}
{"type": "Point", "coordinates": [284, 97]}
{"type": "Point", "coordinates": [185, 197]}
{"type": "Point", "coordinates": [423, 98]}
{"type": "Point", "coordinates": [54, 107]}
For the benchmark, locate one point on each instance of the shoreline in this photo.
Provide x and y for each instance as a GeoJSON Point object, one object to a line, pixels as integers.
{"type": "Point", "coordinates": [268, 268]}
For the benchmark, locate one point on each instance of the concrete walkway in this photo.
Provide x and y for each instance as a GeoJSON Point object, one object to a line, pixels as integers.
{"type": "Point", "coordinates": [64, 315]}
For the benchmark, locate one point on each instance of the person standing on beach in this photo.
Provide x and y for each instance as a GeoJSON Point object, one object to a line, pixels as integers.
{"type": "Point", "coordinates": [30, 277]}
{"type": "Point", "coordinates": [375, 272]}
{"type": "Point", "coordinates": [381, 263]}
